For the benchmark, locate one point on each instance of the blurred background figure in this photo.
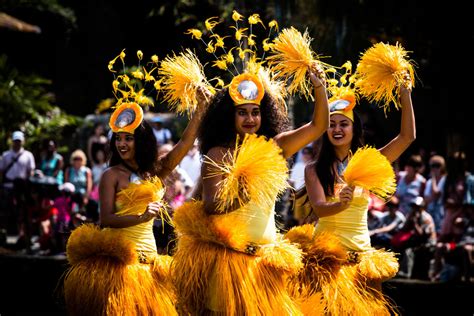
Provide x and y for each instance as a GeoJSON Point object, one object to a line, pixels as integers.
{"type": "Point", "coordinates": [162, 134]}
{"type": "Point", "coordinates": [391, 221]}
{"type": "Point", "coordinates": [97, 141]}
{"type": "Point", "coordinates": [99, 164]}
{"type": "Point", "coordinates": [16, 167]}
{"type": "Point", "coordinates": [80, 175]}
{"type": "Point", "coordinates": [415, 241]}
{"type": "Point", "coordinates": [191, 164]}
{"type": "Point", "coordinates": [410, 183]}
{"type": "Point", "coordinates": [433, 193]}
{"type": "Point", "coordinates": [297, 170]}
{"type": "Point", "coordinates": [51, 162]}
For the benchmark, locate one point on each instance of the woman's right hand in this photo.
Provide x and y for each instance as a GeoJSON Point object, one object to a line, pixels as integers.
{"type": "Point", "coordinates": [317, 76]}
{"type": "Point", "coordinates": [346, 195]}
{"type": "Point", "coordinates": [152, 211]}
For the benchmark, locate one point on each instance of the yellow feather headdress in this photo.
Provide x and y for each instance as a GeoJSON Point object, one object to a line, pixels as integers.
{"type": "Point", "coordinates": [250, 78]}
{"type": "Point", "coordinates": [381, 70]}
{"type": "Point", "coordinates": [343, 93]}
{"type": "Point", "coordinates": [129, 90]}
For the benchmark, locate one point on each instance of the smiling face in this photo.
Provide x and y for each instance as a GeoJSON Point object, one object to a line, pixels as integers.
{"type": "Point", "coordinates": [340, 131]}
{"type": "Point", "coordinates": [125, 144]}
{"type": "Point", "coordinates": [247, 119]}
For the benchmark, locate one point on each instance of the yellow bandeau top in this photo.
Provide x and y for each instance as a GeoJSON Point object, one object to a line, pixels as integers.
{"type": "Point", "coordinates": [350, 225]}
{"type": "Point", "coordinates": [141, 234]}
{"type": "Point", "coordinates": [258, 221]}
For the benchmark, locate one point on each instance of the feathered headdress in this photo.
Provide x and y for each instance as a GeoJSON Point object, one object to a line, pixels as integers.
{"type": "Point", "coordinates": [129, 90]}
{"type": "Point", "coordinates": [250, 79]}
{"type": "Point", "coordinates": [343, 93]}
{"type": "Point", "coordinates": [381, 70]}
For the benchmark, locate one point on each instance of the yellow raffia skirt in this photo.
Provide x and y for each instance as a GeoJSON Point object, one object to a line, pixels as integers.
{"type": "Point", "coordinates": [216, 272]}
{"type": "Point", "coordinates": [340, 282]}
{"type": "Point", "coordinates": [108, 277]}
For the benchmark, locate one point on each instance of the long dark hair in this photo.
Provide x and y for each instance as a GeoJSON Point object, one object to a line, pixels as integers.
{"type": "Point", "coordinates": [146, 150]}
{"type": "Point", "coordinates": [326, 156]}
{"type": "Point", "coordinates": [218, 125]}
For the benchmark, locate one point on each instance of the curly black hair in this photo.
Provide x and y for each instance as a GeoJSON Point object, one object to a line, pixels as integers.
{"type": "Point", "coordinates": [326, 156]}
{"type": "Point", "coordinates": [146, 150]}
{"type": "Point", "coordinates": [218, 125]}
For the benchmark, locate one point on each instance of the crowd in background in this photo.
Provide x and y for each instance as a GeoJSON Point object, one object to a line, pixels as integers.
{"type": "Point", "coordinates": [428, 222]}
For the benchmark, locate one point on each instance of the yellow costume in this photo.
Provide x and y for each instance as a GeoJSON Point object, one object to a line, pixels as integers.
{"type": "Point", "coordinates": [340, 265]}
{"type": "Point", "coordinates": [236, 263]}
{"type": "Point", "coordinates": [117, 271]}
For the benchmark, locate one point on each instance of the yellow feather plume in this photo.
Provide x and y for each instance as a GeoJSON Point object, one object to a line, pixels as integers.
{"type": "Point", "coordinates": [371, 170]}
{"type": "Point", "coordinates": [134, 199]}
{"type": "Point", "coordinates": [248, 176]}
{"type": "Point", "coordinates": [89, 240]}
{"type": "Point", "coordinates": [182, 76]}
{"type": "Point", "coordinates": [381, 70]}
{"type": "Point", "coordinates": [291, 59]}
{"type": "Point", "coordinates": [378, 265]}
{"type": "Point", "coordinates": [323, 257]}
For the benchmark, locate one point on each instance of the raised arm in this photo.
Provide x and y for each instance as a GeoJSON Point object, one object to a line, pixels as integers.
{"type": "Point", "coordinates": [174, 157]}
{"type": "Point", "coordinates": [317, 198]}
{"type": "Point", "coordinates": [294, 140]}
{"type": "Point", "coordinates": [407, 134]}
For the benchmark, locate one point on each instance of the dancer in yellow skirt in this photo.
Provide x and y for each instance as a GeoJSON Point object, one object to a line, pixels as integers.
{"type": "Point", "coordinates": [115, 268]}
{"type": "Point", "coordinates": [230, 258]}
{"type": "Point", "coordinates": [342, 270]}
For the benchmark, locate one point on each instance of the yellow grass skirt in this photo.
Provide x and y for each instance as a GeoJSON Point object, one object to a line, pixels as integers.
{"type": "Point", "coordinates": [213, 277]}
{"type": "Point", "coordinates": [108, 277]}
{"type": "Point", "coordinates": [338, 282]}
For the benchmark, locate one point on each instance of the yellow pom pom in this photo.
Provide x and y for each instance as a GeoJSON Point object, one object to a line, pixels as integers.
{"type": "Point", "coordinates": [381, 70]}
{"type": "Point", "coordinates": [182, 76]}
{"type": "Point", "coordinates": [134, 199]}
{"type": "Point", "coordinates": [292, 58]}
{"type": "Point", "coordinates": [248, 176]}
{"type": "Point", "coordinates": [371, 170]}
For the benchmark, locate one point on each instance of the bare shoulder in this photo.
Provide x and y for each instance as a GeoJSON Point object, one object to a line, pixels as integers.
{"type": "Point", "coordinates": [112, 174]}
{"type": "Point", "coordinates": [217, 153]}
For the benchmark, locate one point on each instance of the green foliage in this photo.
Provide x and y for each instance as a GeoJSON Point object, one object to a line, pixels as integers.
{"type": "Point", "coordinates": [26, 104]}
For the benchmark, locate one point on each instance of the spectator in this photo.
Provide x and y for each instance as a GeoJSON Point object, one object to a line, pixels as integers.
{"type": "Point", "coordinates": [458, 201]}
{"type": "Point", "coordinates": [434, 190]}
{"type": "Point", "coordinates": [99, 164]}
{"type": "Point", "coordinates": [52, 163]}
{"type": "Point", "coordinates": [410, 184]}
{"type": "Point", "coordinates": [81, 177]}
{"type": "Point", "coordinates": [16, 167]}
{"type": "Point", "coordinates": [191, 164]}
{"type": "Point", "coordinates": [162, 134]}
{"type": "Point", "coordinates": [415, 240]}
{"type": "Point", "coordinates": [391, 222]}
{"type": "Point", "coordinates": [97, 141]}
{"type": "Point", "coordinates": [64, 215]}
{"type": "Point", "coordinates": [297, 170]}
